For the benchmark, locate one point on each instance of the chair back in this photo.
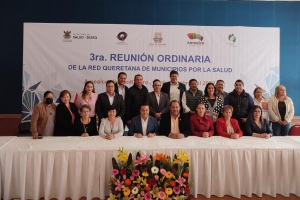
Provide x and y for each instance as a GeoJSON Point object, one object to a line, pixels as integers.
{"type": "Point", "coordinates": [295, 130]}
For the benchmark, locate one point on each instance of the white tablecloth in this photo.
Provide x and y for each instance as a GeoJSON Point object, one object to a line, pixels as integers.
{"type": "Point", "coordinates": [74, 167]}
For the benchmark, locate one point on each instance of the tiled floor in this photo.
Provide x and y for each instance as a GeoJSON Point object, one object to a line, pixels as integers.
{"type": "Point", "coordinates": [9, 127]}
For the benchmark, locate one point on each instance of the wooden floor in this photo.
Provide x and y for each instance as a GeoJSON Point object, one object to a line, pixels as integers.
{"type": "Point", "coordinates": [9, 127]}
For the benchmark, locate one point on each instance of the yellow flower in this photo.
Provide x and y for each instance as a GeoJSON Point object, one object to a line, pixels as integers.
{"type": "Point", "coordinates": [145, 174]}
{"type": "Point", "coordinates": [168, 191]}
{"type": "Point", "coordinates": [123, 157]}
{"type": "Point", "coordinates": [141, 180]}
{"type": "Point", "coordinates": [181, 197]}
{"type": "Point", "coordinates": [126, 191]}
{"type": "Point", "coordinates": [182, 156]}
{"type": "Point", "coordinates": [139, 197]}
{"type": "Point", "coordinates": [167, 198]}
{"type": "Point", "coordinates": [176, 161]}
{"type": "Point", "coordinates": [169, 174]}
{"type": "Point", "coordinates": [111, 197]}
{"type": "Point", "coordinates": [155, 192]}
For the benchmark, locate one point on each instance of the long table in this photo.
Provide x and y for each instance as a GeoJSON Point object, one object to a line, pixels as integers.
{"type": "Point", "coordinates": [60, 167]}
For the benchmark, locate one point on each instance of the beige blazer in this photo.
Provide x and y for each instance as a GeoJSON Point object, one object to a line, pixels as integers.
{"type": "Point", "coordinates": [39, 118]}
{"type": "Point", "coordinates": [274, 111]}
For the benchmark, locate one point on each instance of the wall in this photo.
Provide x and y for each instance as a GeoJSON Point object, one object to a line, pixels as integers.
{"type": "Point", "coordinates": [13, 13]}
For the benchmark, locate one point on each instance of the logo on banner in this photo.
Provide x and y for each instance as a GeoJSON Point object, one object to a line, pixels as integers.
{"type": "Point", "coordinates": [82, 36]}
{"type": "Point", "coordinates": [197, 39]}
{"type": "Point", "coordinates": [158, 39]}
{"type": "Point", "coordinates": [67, 36]}
{"type": "Point", "coordinates": [232, 40]}
{"type": "Point", "coordinates": [121, 37]}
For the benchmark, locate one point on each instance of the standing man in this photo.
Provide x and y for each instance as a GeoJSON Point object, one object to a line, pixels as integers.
{"type": "Point", "coordinates": [143, 124]}
{"type": "Point", "coordinates": [137, 96]}
{"type": "Point", "coordinates": [241, 102]}
{"type": "Point", "coordinates": [108, 98]}
{"type": "Point", "coordinates": [220, 89]}
{"type": "Point", "coordinates": [173, 88]}
{"type": "Point", "coordinates": [122, 89]}
{"type": "Point", "coordinates": [158, 101]}
{"type": "Point", "coordinates": [174, 124]}
{"type": "Point", "coordinates": [191, 97]}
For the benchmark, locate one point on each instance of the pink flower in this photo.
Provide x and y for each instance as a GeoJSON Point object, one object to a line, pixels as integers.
{"type": "Point", "coordinates": [163, 171]}
{"type": "Point", "coordinates": [176, 190]}
{"type": "Point", "coordinates": [142, 193]}
{"type": "Point", "coordinates": [135, 172]}
{"type": "Point", "coordinates": [132, 178]}
{"type": "Point", "coordinates": [162, 195]}
{"type": "Point", "coordinates": [123, 171]}
{"type": "Point", "coordinates": [119, 185]}
{"type": "Point", "coordinates": [131, 196]}
{"type": "Point", "coordinates": [147, 196]}
{"type": "Point", "coordinates": [181, 181]}
{"type": "Point", "coordinates": [156, 177]}
{"type": "Point", "coordinates": [114, 172]}
{"type": "Point", "coordinates": [141, 159]}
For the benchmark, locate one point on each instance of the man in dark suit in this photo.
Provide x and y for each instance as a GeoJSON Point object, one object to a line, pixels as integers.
{"type": "Point", "coordinates": [175, 125]}
{"type": "Point", "coordinates": [122, 89]}
{"type": "Point", "coordinates": [173, 88]}
{"type": "Point", "coordinates": [158, 101]}
{"type": "Point", "coordinates": [143, 124]}
{"type": "Point", "coordinates": [108, 98]}
{"type": "Point", "coordinates": [137, 97]}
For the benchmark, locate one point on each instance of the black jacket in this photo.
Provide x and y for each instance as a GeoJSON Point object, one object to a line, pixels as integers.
{"type": "Point", "coordinates": [103, 104]}
{"type": "Point", "coordinates": [63, 120]}
{"type": "Point", "coordinates": [241, 104]}
{"type": "Point", "coordinates": [137, 97]}
{"type": "Point", "coordinates": [165, 124]}
{"type": "Point", "coordinates": [125, 99]}
{"type": "Point", "coordinates": [166, 89]}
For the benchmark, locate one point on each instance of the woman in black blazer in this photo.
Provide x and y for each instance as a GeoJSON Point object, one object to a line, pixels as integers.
{"type": "Point", "coordinates": [66, 115]}
{"type": "Point", "coordinates": [257, 126]}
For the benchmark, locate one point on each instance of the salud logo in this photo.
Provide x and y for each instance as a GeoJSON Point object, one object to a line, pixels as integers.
{"type": "Point", "coordinates": [193, 36]}
{"type": "Point", "coordinates": [122, 36]}
{"type": "Point", "coordinates": [232, 38]}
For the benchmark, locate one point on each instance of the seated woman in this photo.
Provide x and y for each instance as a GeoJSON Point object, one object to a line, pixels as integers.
{"type": "Point", "coordinates": [257, 126]}
{"type": "Point", "coordinates": [66, 115]}
{"type": "Point", "coordinates": [43, 117]}
{"type": "Point", "coordinates": [227, 126]}
{"type": "Point", "coordinates": [201, 124]}
{"type": "Point", "coordinates": [112, 126]}
{"type": "Point", "coordinates": [86, 126]}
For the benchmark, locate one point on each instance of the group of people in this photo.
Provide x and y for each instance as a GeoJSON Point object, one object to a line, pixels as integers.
{"type": "Point", "coordinates": [170, 110]}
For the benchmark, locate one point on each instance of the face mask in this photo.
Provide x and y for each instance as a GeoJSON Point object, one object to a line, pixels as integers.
{"type": "Point", "coordinates": [49, 101]}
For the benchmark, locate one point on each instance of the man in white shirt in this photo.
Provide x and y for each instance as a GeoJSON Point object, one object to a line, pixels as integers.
{"type": "Point", "coordinates": [174, 88]}
{"type": "Point", "coordinates": [143, 124]}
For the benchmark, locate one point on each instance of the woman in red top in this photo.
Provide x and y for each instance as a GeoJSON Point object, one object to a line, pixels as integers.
{"type": "Point", "coordinates": [201, 124]}
{"type": "Point", "coordinates": [227, 126]}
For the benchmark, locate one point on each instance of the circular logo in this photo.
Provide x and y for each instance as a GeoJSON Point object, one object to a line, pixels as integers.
{"type": "Point", "coordinates": [122, 36]}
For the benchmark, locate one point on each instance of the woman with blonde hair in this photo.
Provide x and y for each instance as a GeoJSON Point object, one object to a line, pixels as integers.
{"type": "Point", "coordinates": [281, 111]}
{"type": "Point", "coordinates": [261, 101]}
{"type": "Point", "coordinates": [227, 126]}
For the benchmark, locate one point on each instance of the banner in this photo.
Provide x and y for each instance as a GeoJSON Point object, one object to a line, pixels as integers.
{"type": "Point", "coordinates": [64, 56]}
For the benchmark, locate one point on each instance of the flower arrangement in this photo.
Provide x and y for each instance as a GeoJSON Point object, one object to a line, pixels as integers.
{"type": "Point", "coordinates": [149, 178]}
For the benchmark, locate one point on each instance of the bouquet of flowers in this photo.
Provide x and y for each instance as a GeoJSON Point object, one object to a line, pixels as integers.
{"type": "Point", "coordinates": [144, 178]}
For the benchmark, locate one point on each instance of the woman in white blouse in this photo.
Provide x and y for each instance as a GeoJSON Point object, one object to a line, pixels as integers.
{"type": "Point", "coordinates": [112, 126]}
{"type": "Point", "coordinates": [260, 100]}
{"type": "Point", "coordinates": [281, 111]}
